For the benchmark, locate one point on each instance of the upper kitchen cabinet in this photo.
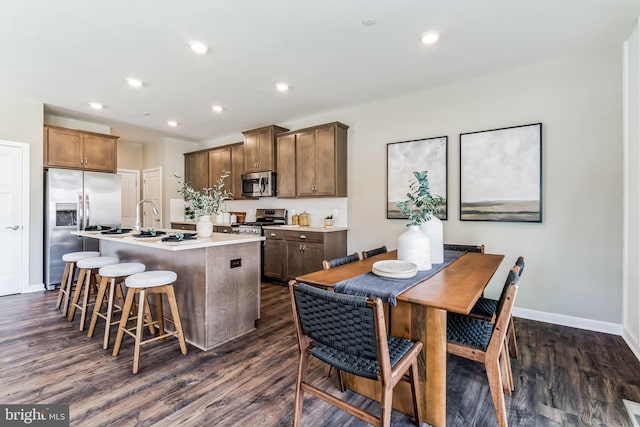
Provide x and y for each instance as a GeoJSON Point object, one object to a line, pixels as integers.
{"type": "Point", "coordinates": [219, 163]}
{"type": "Point", "coordinates": [74, 149]}
{"type": "Point", "coordinates": [196, 169]}
{"type": "Point", "coordinates": [321, 161]}
{"type": "Point", "coordinates": [286, 159]}
{"type": "Point", "coordinates": [237, 169]}
{"type": "Point", "coordinates": [259, 148]}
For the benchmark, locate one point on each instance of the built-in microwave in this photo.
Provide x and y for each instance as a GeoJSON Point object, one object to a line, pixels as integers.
{"type": "Point", "coordinates": [259, 184]}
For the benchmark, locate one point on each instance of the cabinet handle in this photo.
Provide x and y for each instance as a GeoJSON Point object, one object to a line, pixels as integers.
{"type": "Point", "coordinates": [304, 248]}
{"type": "Point", "coordinates": [302, 236]}
{"type": "Point", "coordinates": [82, 161]}
{"type": "Point", "coordinates": [86, 162]}
{"type": "Point", "coordinates": [272, 235]}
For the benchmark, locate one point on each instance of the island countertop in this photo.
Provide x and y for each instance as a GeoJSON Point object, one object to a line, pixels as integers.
{"type": "Point", "coordinates": [216, 239]}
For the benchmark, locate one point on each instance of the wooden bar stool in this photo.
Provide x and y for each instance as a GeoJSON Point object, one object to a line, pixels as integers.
{"type": "Point", "coordinates": [86, 281]}
{"type": "Point", "coordinates": [112, 276]}
{"type": "Point", "coordinates": [66, 284]}
{"type": "Point", "coordinates": [150, 282]}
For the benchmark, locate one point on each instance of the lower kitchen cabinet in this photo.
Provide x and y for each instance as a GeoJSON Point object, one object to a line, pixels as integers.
{"type": "Point", "coordinates": [288, 254]}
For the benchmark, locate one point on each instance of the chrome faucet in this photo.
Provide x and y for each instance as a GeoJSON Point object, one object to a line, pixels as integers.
{"type": "Point", "coordinates": [138, 226]}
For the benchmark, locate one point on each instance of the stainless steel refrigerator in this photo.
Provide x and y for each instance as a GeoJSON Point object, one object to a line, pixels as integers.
{"type": "Point", "coordinates": [76, 200]}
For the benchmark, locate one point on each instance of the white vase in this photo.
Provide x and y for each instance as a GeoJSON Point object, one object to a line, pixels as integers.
{"type": "Point", "coordinates": [414, 246]}
{"type": "Point", "coordinates": [433, 229]}
{"type": "Point", "coordinates": [204, 226]}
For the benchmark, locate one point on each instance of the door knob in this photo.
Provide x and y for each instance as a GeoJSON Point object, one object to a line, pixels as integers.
{"type": "Point", "coordinates": [15, 227]}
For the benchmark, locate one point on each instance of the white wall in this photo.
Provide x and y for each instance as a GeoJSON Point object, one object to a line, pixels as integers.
{"type": "Point", "coordinates": [22, 121]}
{"type": "Point", "coordinates": [631, 267]}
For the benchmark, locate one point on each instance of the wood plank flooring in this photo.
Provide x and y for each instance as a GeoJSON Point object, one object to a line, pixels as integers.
{"type": "Point", "coordinates": [565, 376]}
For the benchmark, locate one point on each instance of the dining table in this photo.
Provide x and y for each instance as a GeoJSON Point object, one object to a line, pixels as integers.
{"type": "Point", "coordinates": [420, 314]}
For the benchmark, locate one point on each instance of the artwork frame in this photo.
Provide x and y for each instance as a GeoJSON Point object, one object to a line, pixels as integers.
{"type": "Point", "coordinates": [405, 157]}
{"type": "Point", "coordinates": [501, 174]}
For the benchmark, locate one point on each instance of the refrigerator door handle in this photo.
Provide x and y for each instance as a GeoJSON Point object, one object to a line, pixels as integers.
{"type": "Point", "coordinates": [87, 211]}
{"type": "Point", "coordinates": [79, 214]}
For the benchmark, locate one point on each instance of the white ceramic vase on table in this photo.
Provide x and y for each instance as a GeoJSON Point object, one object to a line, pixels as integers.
{"type": "Point", "coordinates": [204, 226]}
{"type": "Point", "coordinates": [414, 246]}
{"type": "Point", "coordinates": [433, 228]}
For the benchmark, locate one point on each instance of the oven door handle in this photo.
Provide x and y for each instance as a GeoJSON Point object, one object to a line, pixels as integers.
{"type": "Point", "coordinates": [263, 185]}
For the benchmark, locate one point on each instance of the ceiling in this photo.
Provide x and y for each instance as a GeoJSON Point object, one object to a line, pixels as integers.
{"type": "Point", "coordinates": [66, 53]}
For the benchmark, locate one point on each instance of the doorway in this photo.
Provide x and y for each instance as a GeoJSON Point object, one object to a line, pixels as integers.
{"type": "Point", "coordinates": [152, 190]}
{"type": "Point", "coordinates": [14, 217]}
{"type": "Point", "coordinates": [130, 195]}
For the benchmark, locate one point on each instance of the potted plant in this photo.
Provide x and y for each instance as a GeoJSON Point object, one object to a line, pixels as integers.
{"type": "Point", "coordinates": [209, 201]}
{"type": "Point", "coordinates": [421, 208]}
{"type": "Point", "coordinates": [328, 220]}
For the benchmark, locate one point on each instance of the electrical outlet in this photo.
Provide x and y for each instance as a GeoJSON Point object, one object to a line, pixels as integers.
{"type": "Point", "coordinates": [236, 263]}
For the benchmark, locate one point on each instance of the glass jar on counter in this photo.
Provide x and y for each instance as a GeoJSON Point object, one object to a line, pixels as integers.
{"type": "Point", "coordinates": [304, 219]}
{"type": "Point", "coordinates": [294, 219]}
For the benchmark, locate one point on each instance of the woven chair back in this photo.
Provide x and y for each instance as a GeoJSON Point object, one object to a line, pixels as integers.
{"type": "Point", "coordinates": [373, 252]}
{"type": "Point", "coordinates": [343, 322]}
{"type": "Point", "coordinates": [344, 260]}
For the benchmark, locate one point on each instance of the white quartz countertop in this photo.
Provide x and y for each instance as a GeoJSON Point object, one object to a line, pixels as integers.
{"type": "Point", "coordinates": [305, 228]}
{"type": "Point", "coordinates": [194, 222]}
{"type": "Point", "coordinates": [216, 239]}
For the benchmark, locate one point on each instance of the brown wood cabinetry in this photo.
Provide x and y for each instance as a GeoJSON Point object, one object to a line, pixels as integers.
{"type": "Point", "coordinates": [313, 162]}
{"type": "Point", "coordinates": [74, 149]}
{"type": "Point", "coordinates": [183, 226]}
{"type": "Point", "coordinates": [288, 254]}
{"type": "Point", "coordinates": [203, 168]}
{"type": "Point", "coordinates": [222, 229]}
{"type": "Point", "coordinates": [259, 148]}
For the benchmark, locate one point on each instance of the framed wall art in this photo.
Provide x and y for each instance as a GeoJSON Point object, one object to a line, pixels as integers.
{"type": "Point", "coordinates": [403, 158]}
{"type": "Point", "coordinates": [501, 174]}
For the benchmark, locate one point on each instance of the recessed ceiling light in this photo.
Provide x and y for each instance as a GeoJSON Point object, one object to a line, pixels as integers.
{"type": "Point", "coordinates": [172, 123]}
{"type": "Point", "coordinates": [282, 86]}
{"type": "Point", "coordinates": [217, 108]}
{"type": "Point", "coordinates": [95, 105]}
{"type": "Point", "coordinates": [430, 38]}
{"type": "Point", "coordinates": [368, 22]}
{"type": "Point", "coordinates": [198, 47]}
{"type": "Point", "coordinates": [134, 82]}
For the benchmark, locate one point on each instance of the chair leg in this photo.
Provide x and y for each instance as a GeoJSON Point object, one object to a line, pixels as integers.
{"type": "Point", "coordinates": [385, 405]}
{"type": "Point", "coordinates": [89, 283]}
{"type": "Point", "coordinates": [303, 365]}
{"type": "Point", "coordinates": [504, 371]}
{"type": "Point", "coordinates": [413, 376]}
{"type": "Point", "coordinates": [513, 345]}
{"type": "Point", "coordinates": [63, 285]}
{"type": "Point", "coordinates": [171, 296]}
{"type": "Point", "coordinates": [495, 385]}
{"type": "Point", "coordinates": [139, 327]}
{"type": "Point", "coordinates": [76, 294]}
{"type": "Point", "coordinates": [126, 310]}
{"type": "Point", "coordinates": [109, 316]}
{"type": "Point", "coordinates": [98, 306]}
{"type": "Point", "coordinates": [69, 289]}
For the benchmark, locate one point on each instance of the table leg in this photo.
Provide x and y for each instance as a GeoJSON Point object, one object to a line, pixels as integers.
{"type": "Point", "coordinates": [435, 356]}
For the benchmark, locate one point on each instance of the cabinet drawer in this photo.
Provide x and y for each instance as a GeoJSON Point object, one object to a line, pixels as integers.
{"type": "Point", "coordinates": [273, 234]}
{"type": "Point", "coordinates": [180, 226]}
{"type": "Point", "coordinates": [222, 229]}
{"type": "Point", "coordinates": [304, 236]}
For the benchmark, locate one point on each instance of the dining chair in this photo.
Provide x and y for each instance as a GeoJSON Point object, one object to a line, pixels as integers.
{"type": "Point", "coordinates": [349, 333]}
{"type": "Point", "coordinates": [465, 248]}
{"type": "Point", "coordinates": [483, 341]}
{"type": "Point", "coordinates": [340, 261]}
{"type": "Point", "coordinates": [377, 251]}
{"type": "Point", "coordinates": [487, 308]}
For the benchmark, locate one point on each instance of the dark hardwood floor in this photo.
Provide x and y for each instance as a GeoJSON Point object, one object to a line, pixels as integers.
{"type": "Point", "coordinates": [564, 376]}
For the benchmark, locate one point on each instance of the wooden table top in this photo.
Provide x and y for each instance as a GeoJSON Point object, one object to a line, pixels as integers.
{"type": "Point", "coordinates": [456, 288]}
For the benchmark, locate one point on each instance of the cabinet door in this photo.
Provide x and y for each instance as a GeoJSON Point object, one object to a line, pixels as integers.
{"type": "Point", "coordinates": [99, 153]}
{"type": "Point", "coordinates": [273, 261]}
{"type": "Point", "coordinates": [305, 163]}
{"type": "Point", "coordinates": [326, 162]}
{"type": "Point", "coordinates": [313, 254]}
{"type": "Point", "coordinates": [219, 162]}
{"type": "Point", "coordinates": [294, 260]}
{"type": "Point", "coordinates": [286, 159]}
{"type": "Point", "coordinates": [196, 170]}
{"type": "Point", "coordinates": [251, 152]}
{"type": "Point", "coordinates": [265, 150]}
{"type": "Point", "coordinates": [63, 148]}
{"type": "Point", "coordinates": [237, 169]}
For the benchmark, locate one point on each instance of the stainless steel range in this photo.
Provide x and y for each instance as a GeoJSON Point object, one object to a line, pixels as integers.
{"type": "Point", "coordinates": [263, 217]}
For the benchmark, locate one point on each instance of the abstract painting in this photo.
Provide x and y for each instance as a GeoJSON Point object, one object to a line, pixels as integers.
{"type": "Point", "coordinates": [501, 174]}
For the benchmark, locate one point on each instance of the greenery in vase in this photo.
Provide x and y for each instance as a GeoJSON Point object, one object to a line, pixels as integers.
{"type": "Point", "coordinates": [421, 204]}
{"type": "Point", "coordinates": [209, 201]}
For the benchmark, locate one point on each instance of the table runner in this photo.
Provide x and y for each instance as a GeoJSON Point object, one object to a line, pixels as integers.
{"type": "Point", "coordinates": [370, 285]}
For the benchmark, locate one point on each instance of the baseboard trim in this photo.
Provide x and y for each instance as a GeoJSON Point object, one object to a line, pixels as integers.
{"type": "Point", "coordinates": [631, 342]}
{"type": "Point", "coordinates": [573, 322]}
{"type": "Point", "coordinates": [35, 287]}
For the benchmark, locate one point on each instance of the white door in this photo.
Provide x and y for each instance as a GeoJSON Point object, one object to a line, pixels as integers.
{"type": "Point", "coordinates": [130, 195]}
{"type": "Point", "coordinates": [13, 218]}
{"type": "Point", "coordinates": [152, 190]}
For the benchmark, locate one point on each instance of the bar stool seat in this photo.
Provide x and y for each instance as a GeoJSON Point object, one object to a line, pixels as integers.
{"type": "Point", "coordinates": [66, 284]}
{"type": "Point", "coordinates": [158, 282]}
{"type": "Point", "coordinates": [86, 280]}
{"type": "Point", "coordinates": [112, 276]}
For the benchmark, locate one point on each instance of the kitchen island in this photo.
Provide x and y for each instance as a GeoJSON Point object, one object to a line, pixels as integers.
{"type": "Point", "coordinates": [218, 286]}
